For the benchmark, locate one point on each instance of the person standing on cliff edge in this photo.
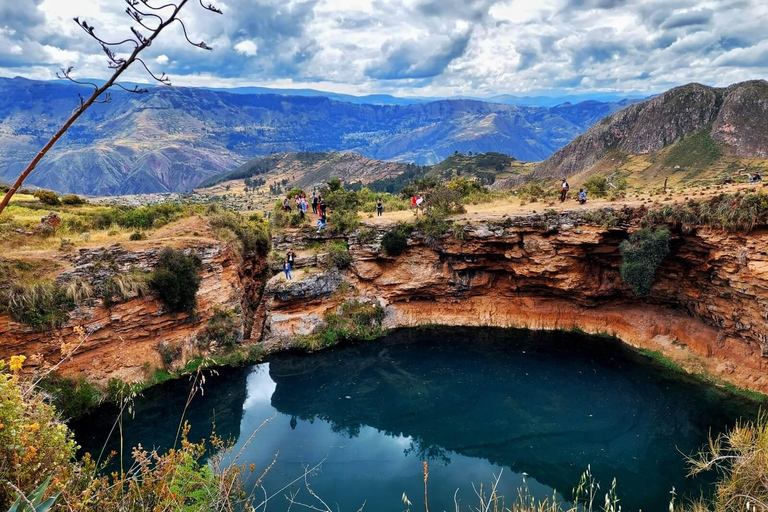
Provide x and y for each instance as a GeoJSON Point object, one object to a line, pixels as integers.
{"type": "Point", "coordinates": [564, 190]}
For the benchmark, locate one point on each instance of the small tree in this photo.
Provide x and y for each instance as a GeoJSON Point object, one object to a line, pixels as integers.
{"type": "Point", "coordinates": [47, 197]}
{"type": "Point", "coordinates": [152, 18]}
{"type": "Point", "coordinates": [176, 279]}
{"type": "Point", "coordinates": [642, 254]}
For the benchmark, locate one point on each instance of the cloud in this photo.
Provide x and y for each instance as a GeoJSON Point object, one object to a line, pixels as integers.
{"type": "Point", "coordinates": [413, 47]}
{"type": "Point", "coordinates": [418, 58]}
{"type": "Point", "coordinates": [247, 48]}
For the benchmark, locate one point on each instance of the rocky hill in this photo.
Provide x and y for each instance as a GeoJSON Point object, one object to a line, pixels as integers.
{"type": "Point", "coordinates": [711, 122]}
{"type": "Point", "coordinates": [172, 139]}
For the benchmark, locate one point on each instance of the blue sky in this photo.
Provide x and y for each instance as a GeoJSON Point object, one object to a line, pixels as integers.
{"type": "Point", "coordinates": [413, 47]}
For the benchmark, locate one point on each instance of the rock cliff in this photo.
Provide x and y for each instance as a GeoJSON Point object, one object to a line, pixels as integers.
{"type": "Point", "coordinates": [737, 117]}
{"type": "Point", "coordinates": [706, 311]}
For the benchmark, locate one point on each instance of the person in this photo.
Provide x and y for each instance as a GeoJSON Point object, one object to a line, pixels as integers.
{"type": "Point", "coordinates": [321, 207]}
{"type": "Point", "coordinates": [582, 196]}
{"type": "Point", "coordinates": [314, 203]}
{"type": "Point", "coordinates": [321, 222]}
{"type": "Point", "coordinates": [287, 270]}
{"type": "Point", "coordinates": [564, 190]}
{"type": "Point", "coordinates": [756, 177]}
{"type": "Point", "coordinates": [299, 207]}
{"type": "Point", "coordinates": [287, 205]}
{"type": "Point", "coordinates": [413, 202]}
{"type": "Point", "coordinates": [290, 258]}
{"type": "Point", "coordinates": [304, 204]}
{"type": "Point", "coordinates": [379, 207]}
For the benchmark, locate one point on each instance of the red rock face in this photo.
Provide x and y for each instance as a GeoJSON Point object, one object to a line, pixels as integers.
{"type": "Point", "coordinates": [706, 311]}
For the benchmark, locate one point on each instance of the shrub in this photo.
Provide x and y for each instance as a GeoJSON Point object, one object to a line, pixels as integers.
{"type": "Point", "coordinates": [344, 221]}
{"type": "Point", "coordinates": [252, 233]}
{"type": "Point", "coordinates": [597, 186]}
{"type": "Point", "coordinates": [339, 256]}
{"type": "Point", "coordinates": [297, 220]}
{"type": "Point", "coordinates": [73, 200]}
{"type": "Point", "coordinates": [72, 397]}
{"type": "Point", "coordinates": [354, 320]}
{"type": "Point", "coordinates": [137, 235]}
{"type": "Point", "coordinates": [221, 329]}
{"type": "Point", "coordinates": [279, 218]}
{"type": "Point", "coordinates": [34, 443]}
{"type": "Point", "coordinates": [47, 197]}
{"type": "Point", "coordinates": [394, 242]}
{"type": "Point", "coordinates": [642, 254]}
{"type": "Point", "coordinates": [176, 279]}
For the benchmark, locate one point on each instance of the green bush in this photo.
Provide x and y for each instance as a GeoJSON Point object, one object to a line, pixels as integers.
{"type": "Point", "coordinates": [339, 256]}
{"type": "Point", "coordinates": [394, 242]}
{"type": "Point", "coordinates": [221, 329]}
{"type": "Point", "coordinates": [252, 233]}
{"type": "Point", "coordinates": [597, 186]}
{"type": "Point", "coordinates": [354, 320]}
{"type": "Point", "coordinates": [47, 197]}
{"type": "Point", "coordinates": [297, 220]}
{"type": "Point", "coordinates": [176, 279]}
{"type": "Point", "coordinates": [642, 254]}
{"type": "Point", "coordinates": [73, 200]}
{"type": "Point", "coordinates": [137, 235]}
{"type": "Point", "coordinates": [72, 397]}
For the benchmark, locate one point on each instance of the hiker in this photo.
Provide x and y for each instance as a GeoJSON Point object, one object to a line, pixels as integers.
{"type": "Point", "coordinates": [290, 258]}
{"type": "Point", "coordinates": [321, 207]}
{"type": "Point", "coordinates": [582, 196]}
{"type": "Point", "coordinates": [298, 206]}
{"type": "Point", "coordinates": [321, 222]}
{"type": "Point", "coordinates": [413, 202]}
{"type": "Point", "coordinates": [564, 187]}
{"type": "Point", "coordinates": [379, 207]}
{"type": "Point", "coordinates": [419, 204]}
{"type": "Point", "coordinates": [287, 270]}
{"type": "Point", "coordinates": [286, 205]}
{"type": "Point", "coordinates": [756, 177]}
{"type": "Point", "coordinates": [304, 204]}
{"type": "Point", "coordinates": [314, 203]}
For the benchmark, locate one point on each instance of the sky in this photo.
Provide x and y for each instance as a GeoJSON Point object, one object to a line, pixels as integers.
{"type": "Point", "coordinates": [420, 48]}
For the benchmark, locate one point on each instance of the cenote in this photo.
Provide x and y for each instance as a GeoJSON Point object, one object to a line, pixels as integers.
{"type": "Point", "coordinates": [468, 401]}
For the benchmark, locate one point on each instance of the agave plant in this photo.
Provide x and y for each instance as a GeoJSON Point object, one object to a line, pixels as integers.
{"type": "Point", "coordinates": [34, 502]}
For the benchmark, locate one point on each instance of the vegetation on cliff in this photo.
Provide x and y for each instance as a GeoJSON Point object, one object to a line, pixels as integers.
{"type": "Point", "coordinates": [733, 212]}
{"type": "Point", "coordinates": [176, 279]}
{"type": "Point", "coordinates": [642, 254]}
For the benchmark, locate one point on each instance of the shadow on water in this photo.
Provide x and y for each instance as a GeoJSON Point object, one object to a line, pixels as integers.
{"type": "Point", "coordinates": [469, 400]}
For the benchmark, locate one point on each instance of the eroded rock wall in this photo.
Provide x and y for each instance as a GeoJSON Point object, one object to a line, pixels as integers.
{"type": "Point", "coordinates": [708, 309]}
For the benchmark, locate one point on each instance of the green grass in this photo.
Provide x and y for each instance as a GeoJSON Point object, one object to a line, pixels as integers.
{"type": "Point", "coordinates": [697, 151]}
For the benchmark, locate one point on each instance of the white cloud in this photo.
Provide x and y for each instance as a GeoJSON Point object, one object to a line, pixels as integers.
{"type": "Point", "coordinates": [247, 48]}
{"type": "Point", "coordinates": [162, 60]}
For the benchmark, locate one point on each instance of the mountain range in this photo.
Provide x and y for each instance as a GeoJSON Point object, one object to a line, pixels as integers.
{"type": "Point", "coordinates": [686, 130]}
{"type": "Point", "coordinates": [172, 139]}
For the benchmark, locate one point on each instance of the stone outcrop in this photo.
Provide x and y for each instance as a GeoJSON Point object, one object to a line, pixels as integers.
{"type": "Point", "coordinates": [125, 339]}
{"type": "Point", "coordinates": [707, 310]}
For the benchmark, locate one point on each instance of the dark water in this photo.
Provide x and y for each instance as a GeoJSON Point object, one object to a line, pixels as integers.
{"type": "Point", "coordinates": [469, 401]}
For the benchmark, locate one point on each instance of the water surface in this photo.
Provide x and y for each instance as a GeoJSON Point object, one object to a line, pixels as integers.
{"type": "Point", "coordinates": [471, 402]}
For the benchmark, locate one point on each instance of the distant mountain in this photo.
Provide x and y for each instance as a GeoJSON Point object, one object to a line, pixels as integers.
{"type": "Point", "coordinates": [689, 128]}
{"type": "Point", "coordinates": [172, 139]}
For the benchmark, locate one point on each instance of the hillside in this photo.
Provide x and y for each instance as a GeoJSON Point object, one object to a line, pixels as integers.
{"type": "Point", "coordinates": [691, 133]}
{"type": "Point", "coordinates": [172, 139]}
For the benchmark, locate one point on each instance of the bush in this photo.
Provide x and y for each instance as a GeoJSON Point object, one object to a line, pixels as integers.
{"type": "Point", "coordinates": [642, 254]}
{"type": "Point", "coordinates": [354, 320]}
{"type": "Point", "coordinates": [297, 220]}
{"type": "Point", "coordinates": [34, 443]}
{"type": "Point", "coordinates": [47, 197]}
{"type": "Point", "coordinates": [137, 235]}
{"type": "Point", "coordinates": [252, 234]}
{"type": "Point", "coordinates": [339, 256]}
{"type": "Point", "coordinates": [221, 329]}
{"type": "Point", "coordinates": [176, 279]}
{"type": "Point", "coordinates": [72, 398]}
{"type": "Point", "coordinates": [394, 242]}
{"type": "Point", "coordinates": [73, 200]}
{"type": "Point", "coordinates": [597, 186]}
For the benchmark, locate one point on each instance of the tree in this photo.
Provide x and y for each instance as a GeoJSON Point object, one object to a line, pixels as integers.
{"type": "Point", "coordinates": [152, 17]}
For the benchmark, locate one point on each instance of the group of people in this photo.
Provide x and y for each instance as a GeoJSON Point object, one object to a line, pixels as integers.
{"type": "Point", "coordinates": [565, 187]}
{"type": "Point", "coordinates": [416, 202]}
{"type": "Point", "coordinates": [302, 205]}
